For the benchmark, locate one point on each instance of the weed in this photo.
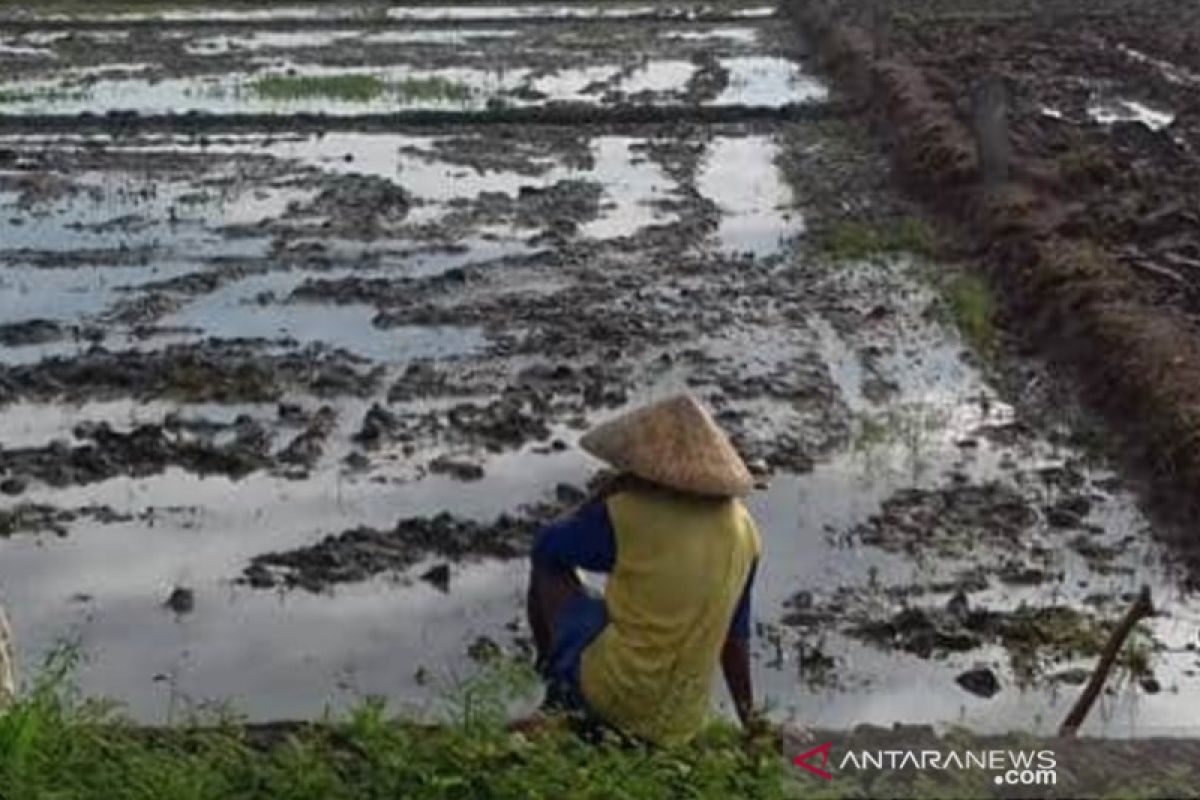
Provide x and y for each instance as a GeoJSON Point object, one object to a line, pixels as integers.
{"type": "Point", "coordinates": [973, 307]}
{"type": "Point", "coordinates": [854, 241]}
{"type": "Point", "coordinates": [358, 88]}
{"type": "Point", "coordinates": [432, 88]}
{"type": "Point", "coordinates": [905, 429]}
{"type": "Point", "coordinates": [1138, 654]}
{"type": "Point", "coordinates": [351, 88]}
{"type": "Point", "coordinates": [1035, 637]}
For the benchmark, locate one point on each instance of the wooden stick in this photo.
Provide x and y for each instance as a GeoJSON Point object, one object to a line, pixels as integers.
{"type": "Point", "coordinates": [8, 681]}
{"type": "Point", "coordinates": [1141, 608]}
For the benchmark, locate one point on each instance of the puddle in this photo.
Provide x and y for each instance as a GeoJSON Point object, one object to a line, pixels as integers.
{"type": "Point", "coordinates": [276, 14]}
{"type": "Point", "coordinates": [1130, 111]}
{"type": "Point", "coordinates": [759, 12]}
{"type": "Point", "coordinates": [659, 76]}
{"type": "Point", "coordinates": [266, 40]}
{"type": "Point", "coordinates": [235, 92]}
{"type": "Point", "coordinates": [631, 183]}
{"type": "Point", "coordinates": [737, 35]}
{"type": "Point", "coordinates": [450, 36]}
{"type": "Point", "coordinates": [71, 294]}
{"type": "Point", "coordinates": [465, 13]}
{"type": "Point", "coordinates": [573, 84]}
{"type": "Point", "coordinates": [258, 41]}
{"type": "Point", "coordinates": [1172, 72]}
{"type": "Point", "coordinates": [132, 212]}
{"type": "Point", "coordinates": [253, 308]}
{"type": "Point", "coordinates": [28, 424]}
{"type": "Point", "coordinates": [769, 81]}
{"type": "Point", "coordinates": [739, 175]}
{"type": "Point", "coordinates": [24, 51]}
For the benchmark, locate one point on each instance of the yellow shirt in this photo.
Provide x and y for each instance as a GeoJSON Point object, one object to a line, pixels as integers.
{"type": "Point", "coordinates": [681, 567]}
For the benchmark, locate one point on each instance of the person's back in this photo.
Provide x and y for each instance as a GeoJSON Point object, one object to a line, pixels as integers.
{"type": "Point", "coordinates": [681, 553]}
{"type": "Point", "coordinates": [681, 568]}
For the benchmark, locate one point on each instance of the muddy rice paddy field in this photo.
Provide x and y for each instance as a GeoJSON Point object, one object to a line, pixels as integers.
{"type": "Point", "coordinates": [291, 368]}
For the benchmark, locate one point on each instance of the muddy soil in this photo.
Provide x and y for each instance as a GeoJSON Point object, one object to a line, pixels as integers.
{"type": "Point", "coordinates": [334, 381]}
{"type": "Point", "coordinates": [1101, 97]}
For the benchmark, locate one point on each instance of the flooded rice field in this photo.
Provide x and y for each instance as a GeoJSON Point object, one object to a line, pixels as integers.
{"type": "Point", "coordinates": [344, 63]}
{"type": "Point", "coordinates": [281, 412]}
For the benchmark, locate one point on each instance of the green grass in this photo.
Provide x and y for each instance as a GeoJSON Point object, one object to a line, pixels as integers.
{"type": "Point", "coordinates": [54, 746]}
{"type": "Point", "coordinates": [973, 308]}
{"type": "Point", "coordinates": [854, 240]}
{"type": "Point", "coordinates": [357, 88]}
{"type": "Point", "coordinates": [352, 88]}
{"type": "Point", "coordinates": [432, 88]}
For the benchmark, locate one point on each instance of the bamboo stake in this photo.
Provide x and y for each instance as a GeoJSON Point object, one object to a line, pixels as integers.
{"type": "Point", "coordinates": [1141, 608]}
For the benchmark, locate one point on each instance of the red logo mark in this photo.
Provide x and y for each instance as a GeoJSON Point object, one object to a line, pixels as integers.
{"type": "Point", "coordinates": [802, 761]}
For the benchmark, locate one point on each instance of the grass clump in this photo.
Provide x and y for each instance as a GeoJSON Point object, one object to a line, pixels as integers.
{"type": "Point", "coordinates": [974, 310]}
{"type": "Point", "coordinates": [358, 88]}
{"type": "Point", "coordinates": [351, 88]}
{"type": "Point", "coordinates": [854, 240]}
{"type": "Point", "coordinates": [52, 745]}
{"type": "Point", "coordinates": [432, 88]}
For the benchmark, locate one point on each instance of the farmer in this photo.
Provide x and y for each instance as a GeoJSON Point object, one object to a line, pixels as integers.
{"type": "Point", "coordinates": [680, 551]}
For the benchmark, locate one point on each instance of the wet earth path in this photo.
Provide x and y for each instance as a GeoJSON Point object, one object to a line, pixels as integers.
{"type": "Point", "coordinates": [281, 407]}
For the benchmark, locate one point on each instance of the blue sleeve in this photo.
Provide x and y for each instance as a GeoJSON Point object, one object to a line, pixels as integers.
{"type": "Point", "coordinates": [584, 540]}
{"type": "Point", "coordinates": [740, 628]}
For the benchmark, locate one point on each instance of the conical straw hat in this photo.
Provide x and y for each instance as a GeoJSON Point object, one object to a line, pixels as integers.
{"type": "Point", "coordinates": [675, 443]}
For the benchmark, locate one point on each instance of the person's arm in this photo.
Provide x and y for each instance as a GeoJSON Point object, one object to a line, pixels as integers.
{"type": "Point", "coordinates": [584, 540]}
{"type": "Point", "coordinates": [735, 657]}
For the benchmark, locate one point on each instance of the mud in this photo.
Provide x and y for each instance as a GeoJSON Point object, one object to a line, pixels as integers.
{"type": "Point", "coordinates": [105, 453]}
{"type": "Point", "coordinates": [360, 553]}
{"type": "Point", "coordinates": [221, 371]}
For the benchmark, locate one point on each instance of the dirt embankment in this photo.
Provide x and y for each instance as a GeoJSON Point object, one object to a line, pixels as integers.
{"type": "Point", "coordinates": [1070, 288]}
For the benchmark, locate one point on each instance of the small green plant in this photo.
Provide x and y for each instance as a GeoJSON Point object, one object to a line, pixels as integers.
{"type": "Point", "coordinates": [357, 88]}
{"type": "Point", "coordinates": [973, 308]}
{"type": "Point", "coordinates": [906, 429]}
{"type": "Point", "coordinates": [1138, 653]}
{"type": "Point", "coordinates": [432, 88]}
{"type": "Point", "coordinates": [351, 88]}
{"type": "Point", "coordinates": [855, 240]}
{"type": "Point", "coordinates": [481, 703]}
